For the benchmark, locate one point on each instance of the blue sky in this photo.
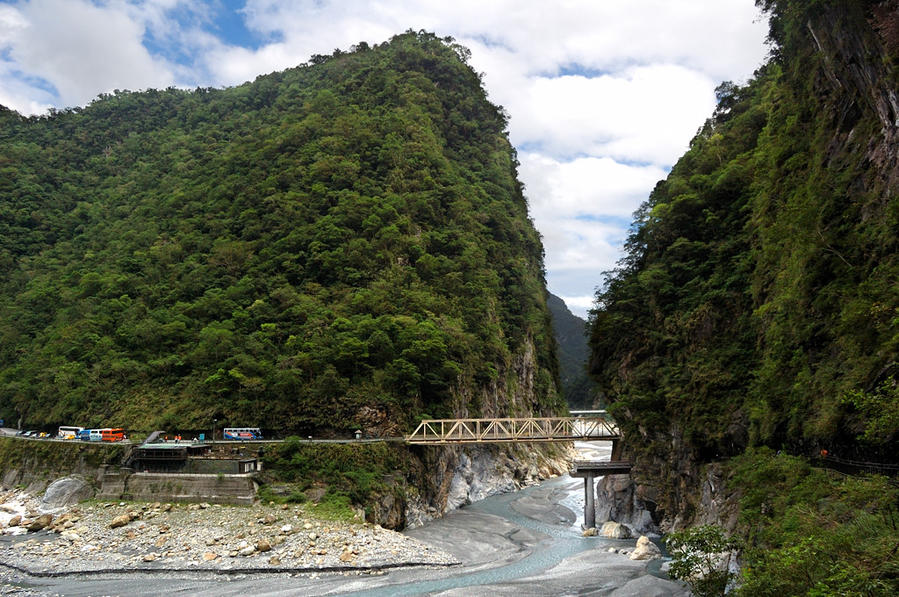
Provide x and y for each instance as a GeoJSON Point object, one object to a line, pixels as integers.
{"type": "Point", "coordinates": [603, 95]}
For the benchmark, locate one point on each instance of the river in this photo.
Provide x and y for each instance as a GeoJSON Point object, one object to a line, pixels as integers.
{"type": "Point", "coordinates": [525, 543]}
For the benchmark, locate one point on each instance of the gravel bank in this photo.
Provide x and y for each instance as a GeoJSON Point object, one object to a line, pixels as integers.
{"type": "Point", "coordinates": [96, 537]}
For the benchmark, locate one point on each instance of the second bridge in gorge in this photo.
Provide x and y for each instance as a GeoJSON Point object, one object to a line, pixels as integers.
{"type": "Point", "coordinates": [591, 426]}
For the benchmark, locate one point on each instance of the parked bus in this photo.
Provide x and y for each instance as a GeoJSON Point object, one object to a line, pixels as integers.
{"type": "Point", "coordinates": [84, 435]}
{"type": "Point", "coordinates": [112, 435]}
{"type": "Point", "coordinates": [241, 433]}
{"type": "Point", "coordinates": [66, 432]}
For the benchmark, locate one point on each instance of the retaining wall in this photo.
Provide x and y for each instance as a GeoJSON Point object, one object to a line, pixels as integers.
{"type": "Point", "coordinates": [174, 487]}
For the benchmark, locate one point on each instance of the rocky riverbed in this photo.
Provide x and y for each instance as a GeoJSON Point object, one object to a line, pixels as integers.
{"type": "Point", "coordinates": [94, 536]}
{"type": "Point", "coordinates": [527, 542]}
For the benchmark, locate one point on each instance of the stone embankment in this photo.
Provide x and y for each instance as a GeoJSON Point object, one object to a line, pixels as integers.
{"type": "Point", "coordinates": [96, 536]}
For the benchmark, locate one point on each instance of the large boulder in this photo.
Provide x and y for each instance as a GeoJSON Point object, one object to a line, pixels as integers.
{"type": "Point", "coordinates": [67, 491]}
{"type": "Point", "coordinates": [120, 521]}
{"type": "Point", "coordinates": [645, 550]}
{"type": "Point", "coordinates": [615, 530]}
{"type": "Point", "coordinates": [40, 523]}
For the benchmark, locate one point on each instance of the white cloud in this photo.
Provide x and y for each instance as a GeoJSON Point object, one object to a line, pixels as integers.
{"type": "Point", "coordinates": [645, 114]}
{"type": "Point", "coordinates": [587, 185]}
{"type": "Point", "coordinates": [579, 305]}
{"type": "Point", "coordinates": [582, 208]}
{"type": "Point", "coordinates": [82, 50]}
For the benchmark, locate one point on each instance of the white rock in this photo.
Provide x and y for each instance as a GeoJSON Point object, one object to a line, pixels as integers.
{"type": "Point", "coordinates": [66, 491]}
{"type": "Point", "coordinates": [645, 550]}
{"type": "Point", "coordinates": [614, 530]}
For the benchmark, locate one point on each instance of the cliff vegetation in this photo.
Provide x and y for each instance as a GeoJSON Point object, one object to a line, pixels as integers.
{"type": "Point", "coordinates": [570, 331]}
{"type": "Point", "coordinates": [757, 306]}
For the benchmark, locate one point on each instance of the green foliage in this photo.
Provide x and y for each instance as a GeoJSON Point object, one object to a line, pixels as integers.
{"type": "Point", "coordinates": [757, 303]}
{"type": "Point", "coordinates": [701, 557]}
{"type": "Point", "coordinates": [54, 459]}
{"type": "Point", "coordinates": [814, 533]}
{"type": "Point", "coordinates": [570, 333]}
{"type": "Point", "coordinates": [879, 411]}
{"type": "Point", "coordinates": [757, 299]}
{"type": "Point", "coordinates": [351, 473]}
{"type": "Point", "coordinates": [344, 235]}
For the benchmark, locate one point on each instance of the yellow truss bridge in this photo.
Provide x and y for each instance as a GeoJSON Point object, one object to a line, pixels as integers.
{"type": "Point", "coordinates": [527, 429]}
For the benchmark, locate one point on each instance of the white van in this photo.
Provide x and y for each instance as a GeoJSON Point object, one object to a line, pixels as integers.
{"type": "Point", "coordinates": [96, 435]}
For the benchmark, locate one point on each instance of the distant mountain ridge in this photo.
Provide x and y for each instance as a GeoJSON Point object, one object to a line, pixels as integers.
{"type": "Point", "coordinates": [579, 391]}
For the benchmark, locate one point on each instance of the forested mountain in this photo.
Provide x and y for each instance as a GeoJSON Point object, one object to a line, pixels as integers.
{"type": "Point", "coordinates": [338, 245]}
{"type": "Point", "coordinates": [758, 306]}
{"type": "Point", "coordinates": [570, 330]}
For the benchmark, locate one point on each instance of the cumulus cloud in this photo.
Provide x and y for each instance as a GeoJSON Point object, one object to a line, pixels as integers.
{"type": "Point", "coordinates": [587, 185]}
{"type": "Point", "coordinates": [644, 114]}
{"type": "Point", "coordinates": [583, 208]}
{"type": "Point", "coordinates": [80, 50]}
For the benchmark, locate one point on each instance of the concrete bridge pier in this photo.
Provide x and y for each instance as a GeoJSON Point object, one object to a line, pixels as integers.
{"type": "Point", "coordinates": [589, 470]}
{"type": "Point", "coordinates": [589, 504]}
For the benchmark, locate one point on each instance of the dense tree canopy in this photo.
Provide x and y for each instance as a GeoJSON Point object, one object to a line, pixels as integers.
{"type": "Point", "coordinates": [757, 302]}
{"type": "Point", "coordinates": [345, 234]}
{"type": "Point", "coordinates": [570, 331]}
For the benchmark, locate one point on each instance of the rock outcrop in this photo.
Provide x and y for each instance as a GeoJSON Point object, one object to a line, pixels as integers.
{"type": "Point", "coordinates": [619, 498]}
{"type": "Point", "coordinates": [67, 491]}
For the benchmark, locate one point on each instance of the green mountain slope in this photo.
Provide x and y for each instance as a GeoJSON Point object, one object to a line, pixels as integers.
{"type": "Point", "coordinates": [757, 309]}
{"type": "Point", "coordinates": [759, 293]}
{"type": "Point", "coordinates": [337, 245]}
{"type": "Point", "coordinates": [570, 332]}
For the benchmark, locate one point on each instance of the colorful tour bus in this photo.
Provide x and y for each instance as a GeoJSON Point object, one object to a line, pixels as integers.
{"type": "Point", "coordinates": [68, 432]}
{"type": "Point", "coordinates": [241, 433]}
{"type": "Point", "coordinates": [107, 434]}
{"type": "Point", "coordinates": [112, 435]}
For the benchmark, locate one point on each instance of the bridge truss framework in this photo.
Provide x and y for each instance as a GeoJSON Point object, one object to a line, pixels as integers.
{"type": "Point", "coordinates": [508, 430]}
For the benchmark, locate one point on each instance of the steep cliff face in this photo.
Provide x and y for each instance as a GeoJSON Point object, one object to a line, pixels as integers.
{"type": "Point", "coordinates": [757, 303]}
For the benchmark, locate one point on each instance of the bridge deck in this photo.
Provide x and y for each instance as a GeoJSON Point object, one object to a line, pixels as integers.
{"type": "Point", "coordinates": [582, 468]}
{"type": "Point", "coordinates": [507, 430]}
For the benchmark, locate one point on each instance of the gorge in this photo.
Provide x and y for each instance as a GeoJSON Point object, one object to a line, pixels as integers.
{"type": "Point", "coordinates": [346, 245]}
